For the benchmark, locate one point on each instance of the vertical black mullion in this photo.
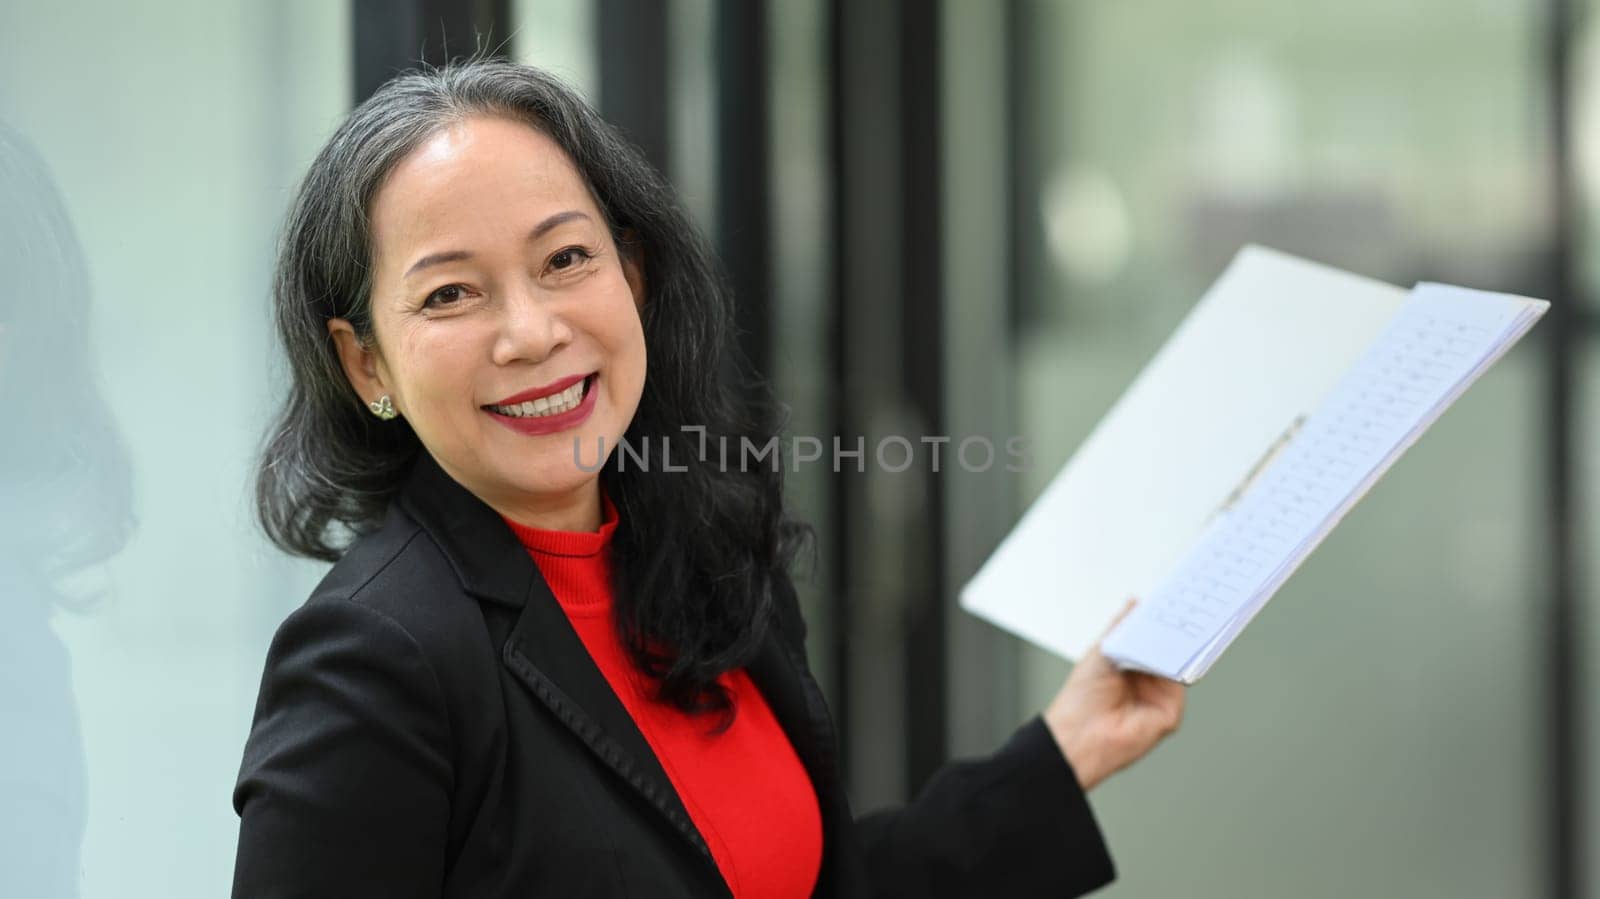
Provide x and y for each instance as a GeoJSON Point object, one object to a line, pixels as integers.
{"type": "Point", "coordinates": [744, 203]}
{"type": "Point", "coordinates": [1021, 169]}
{"type": "Point", "coordinates": [633, 74]}
{"type": "Point", "coordinates": [839, 535]}
{"type": "Point", "coordinates": [391, 37]}
{"type": "Point", "coordinates": [1565, 795]}
{"type": "Point", "coordinates": [922, 323]}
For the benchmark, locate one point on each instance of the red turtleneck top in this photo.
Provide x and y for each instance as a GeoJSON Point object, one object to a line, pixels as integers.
{"type": "Point", "coordinates": [745, 789]}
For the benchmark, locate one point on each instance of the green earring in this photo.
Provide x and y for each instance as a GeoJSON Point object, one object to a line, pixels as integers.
{"type": "Point", "coordinates": [383, 408]}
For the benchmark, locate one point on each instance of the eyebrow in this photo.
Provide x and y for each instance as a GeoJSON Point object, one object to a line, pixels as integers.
{"type": "Point", "coordinates": [538, 231]}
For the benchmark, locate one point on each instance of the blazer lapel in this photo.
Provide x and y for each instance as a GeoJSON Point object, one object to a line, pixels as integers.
{"type": "Point", "coordinates": [543, 651]}
{"type": "Point", "coordinates": [549, 658]}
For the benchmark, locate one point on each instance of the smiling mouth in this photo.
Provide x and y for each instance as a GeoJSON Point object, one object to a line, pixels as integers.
{"type": "Point", "coordinates": [546, 406]}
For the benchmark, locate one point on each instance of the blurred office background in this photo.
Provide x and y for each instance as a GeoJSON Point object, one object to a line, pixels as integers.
{"type": "Point", "coordinates": [943, 218]}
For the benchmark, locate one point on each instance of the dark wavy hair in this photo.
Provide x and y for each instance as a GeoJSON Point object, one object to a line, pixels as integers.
{"type": "Point", "coordinates": [698, 554]}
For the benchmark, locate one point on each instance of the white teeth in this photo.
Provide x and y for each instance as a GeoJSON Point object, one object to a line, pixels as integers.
{"type": "Point", "coordinates": [565, 401]}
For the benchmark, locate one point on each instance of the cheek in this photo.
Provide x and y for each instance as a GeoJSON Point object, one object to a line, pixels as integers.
{"type": "Point", "coordinates": [614, 323]}
{"type": "Point", "coordinates": [622, 340]}
{"type": "Point", "coordinates": [437, 375]}
{"type": "Point", "coordinates": [629, 349]}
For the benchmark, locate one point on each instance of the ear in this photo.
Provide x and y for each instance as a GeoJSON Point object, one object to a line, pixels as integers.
{"type": "Point", "coordinates": [631, 252]}
{"type": "Point", "coordinates": [360, 362]}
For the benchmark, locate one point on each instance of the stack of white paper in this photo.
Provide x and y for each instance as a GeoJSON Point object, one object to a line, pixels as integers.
{"type": "Point", "coordinates": [1269, 413]}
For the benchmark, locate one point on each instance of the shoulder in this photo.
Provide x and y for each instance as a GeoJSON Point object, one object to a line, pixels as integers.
{"type": "Point", "coordinates": [390, 570]}
{"type": "Point", "coordinates": [399, 571]}
{"type": "Point", "coordinates": [395, 591]}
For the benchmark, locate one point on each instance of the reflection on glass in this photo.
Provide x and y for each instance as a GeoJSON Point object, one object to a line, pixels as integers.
{"type": "Point", "coordinates": [64, 507]}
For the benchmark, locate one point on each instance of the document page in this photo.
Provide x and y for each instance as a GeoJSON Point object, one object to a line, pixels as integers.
{"type": "Point", "coordinates": [1254, 356]}
{"type": "Point", "coordinates": [1438, 343]}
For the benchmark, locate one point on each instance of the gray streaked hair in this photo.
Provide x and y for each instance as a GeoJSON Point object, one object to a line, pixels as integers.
{"type": "Point", "coordinates": [700, 552]}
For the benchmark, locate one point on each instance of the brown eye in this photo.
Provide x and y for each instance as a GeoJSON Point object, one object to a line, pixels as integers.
{"type": "Point", "coordinates": [448, 295]}
{"type": "Point", "coordinates": [568, 258]}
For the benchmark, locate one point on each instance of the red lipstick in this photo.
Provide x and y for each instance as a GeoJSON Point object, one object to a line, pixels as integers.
{"type": "Point", "coordinates": [534, 425]}
{"type": "Point", "coordinates": [549, 389]}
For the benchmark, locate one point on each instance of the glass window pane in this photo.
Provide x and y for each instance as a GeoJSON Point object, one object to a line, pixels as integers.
{"type": "Point", "coordinates": [137, 368]}
{"type": "Point", "coordinates": [559, 37]}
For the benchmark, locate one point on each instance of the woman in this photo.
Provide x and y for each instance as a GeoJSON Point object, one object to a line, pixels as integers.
{"type": "Point", "coordinates": [529, 674]}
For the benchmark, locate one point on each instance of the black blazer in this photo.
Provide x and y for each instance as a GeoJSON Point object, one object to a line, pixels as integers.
{"type": "Point", "coordinates": [430, 725]}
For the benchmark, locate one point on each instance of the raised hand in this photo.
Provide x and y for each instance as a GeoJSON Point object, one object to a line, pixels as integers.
{"type": "Point", "coordinates": [1105, 719]}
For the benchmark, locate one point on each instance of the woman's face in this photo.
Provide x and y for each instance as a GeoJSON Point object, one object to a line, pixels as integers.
{"type": "Point", "coordinates": [506, 320]}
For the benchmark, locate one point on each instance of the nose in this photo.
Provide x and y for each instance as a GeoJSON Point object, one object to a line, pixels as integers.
{"type": "Point", "coordinates": [530, 329]}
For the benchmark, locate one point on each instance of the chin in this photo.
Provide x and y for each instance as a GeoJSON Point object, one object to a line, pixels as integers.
{"type": "Point", "coordinates": [562, 477]}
